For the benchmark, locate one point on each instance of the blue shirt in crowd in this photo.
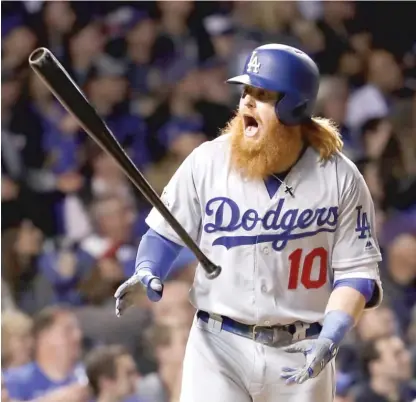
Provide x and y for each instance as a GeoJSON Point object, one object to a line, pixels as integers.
{"type": "Point", "coordinates": [28, 382]}
{"type": "Point", "coordinates": [128, 399]}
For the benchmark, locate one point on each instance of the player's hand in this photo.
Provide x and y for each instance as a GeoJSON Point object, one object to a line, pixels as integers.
{"type": "Point", "coordinates": [318, 353]}
{"type": "Point", "coordinates": [129, 293]}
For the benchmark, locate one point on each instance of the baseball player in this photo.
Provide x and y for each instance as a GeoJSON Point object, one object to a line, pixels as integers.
{"type": "Point", "coordinates": [290, 220]}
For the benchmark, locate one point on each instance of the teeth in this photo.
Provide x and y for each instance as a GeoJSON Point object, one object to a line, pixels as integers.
{"type": "Point", "coordinates": [251, 131]}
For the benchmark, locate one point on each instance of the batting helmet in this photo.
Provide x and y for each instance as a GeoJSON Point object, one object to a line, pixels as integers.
{"type": "Point", "coordinates": [286, 70]}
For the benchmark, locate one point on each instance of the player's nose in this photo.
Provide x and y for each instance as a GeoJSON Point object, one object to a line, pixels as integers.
{"type": "Point", "coordinates": [249, 101]}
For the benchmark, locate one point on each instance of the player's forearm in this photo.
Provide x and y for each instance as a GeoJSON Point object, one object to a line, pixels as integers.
{"type": "Point", "coordinates": [156, 255]}
{"type": "Point", "coordinates": [345, 306]}
{"type": "Point", "coordinates": [348, 300]}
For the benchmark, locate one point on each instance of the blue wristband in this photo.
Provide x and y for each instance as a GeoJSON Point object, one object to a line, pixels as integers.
{"type": "Point", "coordinates": [336, 325]}
{"type": "Point", "coordinates": [156, 255]}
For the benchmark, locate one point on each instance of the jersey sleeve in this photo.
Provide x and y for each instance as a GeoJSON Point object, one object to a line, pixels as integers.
{"type": "Point", "coordinates": [356, 251]}
{"type": "Point", "coordinates": [355, 241]}
{"type": "Point", "coordinates": [181, 198]}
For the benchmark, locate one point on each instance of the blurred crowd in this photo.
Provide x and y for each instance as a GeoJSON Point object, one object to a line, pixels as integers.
{"type": "Point", "coordinates": [71, 221]}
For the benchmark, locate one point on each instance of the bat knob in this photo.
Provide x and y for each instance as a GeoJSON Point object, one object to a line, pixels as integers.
{"type": "Point", "coordinates": [214, 273]}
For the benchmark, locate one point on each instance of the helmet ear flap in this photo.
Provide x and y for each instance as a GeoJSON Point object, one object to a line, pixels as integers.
{"type": "Point", "coordinates": [288, 113]}
{"type": "Point", "coordinates": [299, 111]}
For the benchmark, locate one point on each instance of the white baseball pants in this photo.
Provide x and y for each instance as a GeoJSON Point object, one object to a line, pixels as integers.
{"type": "Point", "coordinates": [223, 367]}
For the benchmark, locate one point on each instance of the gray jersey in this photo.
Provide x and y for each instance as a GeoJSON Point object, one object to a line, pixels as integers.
{"type": "Point", "coordinates": [279, 255]}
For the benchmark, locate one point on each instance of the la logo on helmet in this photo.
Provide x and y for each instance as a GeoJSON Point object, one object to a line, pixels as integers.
{"type": "Point", "coordinates": [254, 65]}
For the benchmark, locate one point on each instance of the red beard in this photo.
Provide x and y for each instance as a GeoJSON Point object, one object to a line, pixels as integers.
{"type": "Point", "coordinates": [274, 152]}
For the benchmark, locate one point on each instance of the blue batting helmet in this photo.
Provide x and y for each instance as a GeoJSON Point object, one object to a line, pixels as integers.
{"type": "Point", "coordinates": [286, 70]}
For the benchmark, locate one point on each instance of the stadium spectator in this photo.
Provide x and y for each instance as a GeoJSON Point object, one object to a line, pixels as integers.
{"type": "Point", "coordinates": [71, 220]}
{"type": "Point", "coordinates": [55, 370]}
{"type": "Point", "coordinates": [23, 159]}
{"type": "Point", "coordinates": [112, 247]}
{"type": "Point", "coordinates": [85, 45]}
{"type": "Point", "coordinates": [377, 323]}
{"type": "Point", "coordinates": [168, 343]}
{"type": "Point", "coordinates": [332, 103]}
{"type": "Point", "coordinates": [112, 374]}
{"type": "Point", "coordinates": [4, 393]}
{"type": "Point", "coordinates": [57, 20]}
{"type": "Point", "coordinates": [273, 21]}
{"type": "Point", "coordinates": [373, 99]}
{"type": "Point", "coordinates": [144, 76]}
{"type": "Point", "coordinates": [62, 266]}
{"type": "Point", "coordinates": [18, 41]}
{"type": "Point", "coordinates": [400, 278]}
{"type": "Point", "coordinates": [176, 39]}
{"type": "Point", "coordinates": [388, 367]}
{"type": "Point", "coordinates": [335, 27]}
{"type": "Point", "coordinates": [7, 300]}
{"type": "Point", "coordinates": [21, 248]}
{"type": "Point", "coordinates": [175, 307]}
{"type": "Point", "coordinates": [16, 339]}
{"type": "Point", "coordinates": [11, 166]}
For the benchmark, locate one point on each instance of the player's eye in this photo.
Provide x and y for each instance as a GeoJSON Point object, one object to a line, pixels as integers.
{"type": "Point", "coordinates": [265, 95]}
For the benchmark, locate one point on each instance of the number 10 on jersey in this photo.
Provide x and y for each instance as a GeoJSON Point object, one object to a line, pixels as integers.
{"type": "Point", "coordinates": [300, 269]}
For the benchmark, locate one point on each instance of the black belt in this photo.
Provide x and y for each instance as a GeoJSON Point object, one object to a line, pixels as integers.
{"type": "Point", "coordinates": [278, 335]}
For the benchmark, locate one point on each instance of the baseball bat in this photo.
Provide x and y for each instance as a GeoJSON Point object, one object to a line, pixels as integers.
{"type": "Point", "coordinates": [63, 87]}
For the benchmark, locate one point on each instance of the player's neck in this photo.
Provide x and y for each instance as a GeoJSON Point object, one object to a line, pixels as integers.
{"type": "Point", "coordinates": [385, 387]}
{"type": "Point", "coordinates": [285, 169]}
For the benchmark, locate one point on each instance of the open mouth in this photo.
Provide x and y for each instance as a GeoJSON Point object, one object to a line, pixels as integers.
{"type": "Point", "coordinates": [251, 126]}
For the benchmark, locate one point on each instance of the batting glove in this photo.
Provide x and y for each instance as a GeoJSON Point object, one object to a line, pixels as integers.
{"type": "Point", "coordinates": [318, 353]}
{"type": "Point", "coordinates": [129, 293]}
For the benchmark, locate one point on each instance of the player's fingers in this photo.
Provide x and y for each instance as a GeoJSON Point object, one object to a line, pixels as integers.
{"type": "Point", "coordinates": [119, 310]}
{"type": "Point", "coordinates": [290, 380]}
{"type": "Point", "coordinates": [121, 290]}
{"type": "Point", "coordinates": [289, 373]}
{"type": "Point", "coordinates": [302, 377]}
{"type": "Point", "coordinates": [298, 347]}
{"type": "Point", "coordinates": [121, 306]}
{"type": "Point", "coordinates": [131, 285]}
{"type": "Point", "coordinates": [293, 349]}
{"type": "Point", "coordinates": [289, 369]}
{"type": "Point", "coordinates": [123, 303]}
{"type": "Point", "coordinates": [286, 376]}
